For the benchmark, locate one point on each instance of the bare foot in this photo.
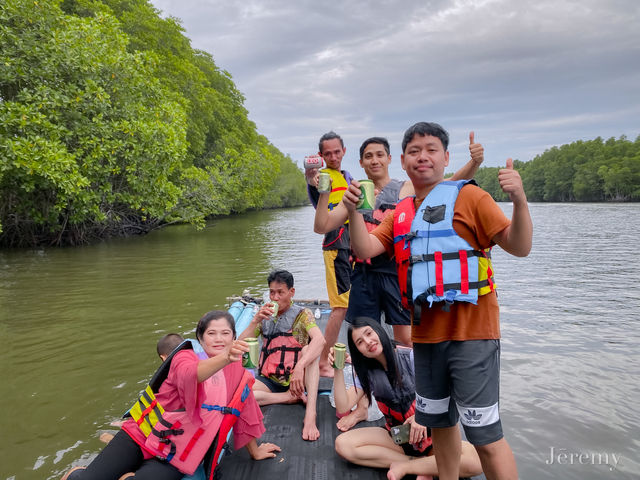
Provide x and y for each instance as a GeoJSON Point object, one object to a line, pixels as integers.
{"type": "Point", "coordinates": [106, 437]}
{"type": "Point", "coordinates": [398, 470]}
{"type": "Point", "coordinates": [310, 431]}
{"type": "Point", "coordinates": [326, 370]}
{"type": "Point", "coordinates": [345, 423]}
{"type": "Point", "coordinates": [348, 421]}
{"type": "Point", "coordinates": [66, 475]}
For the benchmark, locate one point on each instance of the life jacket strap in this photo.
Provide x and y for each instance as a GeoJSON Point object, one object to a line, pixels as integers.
{"type": "Point", "coordinates": [447, 256]}
{"type": "Point", "coordinates": [324, 245]}
{"type": "Point", "coordinates": [464, 272]}
{"type": "Point", "coordinates": [237, 400]}
{"type": "Point", "coordinates": [224, 409]}
{"type": "Point", "coordinates": [437, 256]}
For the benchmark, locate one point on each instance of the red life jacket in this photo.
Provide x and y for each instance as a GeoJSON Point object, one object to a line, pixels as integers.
{"type": "Point", "coordinates": [402, 219]}
{"type": "Point", "coordinates": [280, 349]}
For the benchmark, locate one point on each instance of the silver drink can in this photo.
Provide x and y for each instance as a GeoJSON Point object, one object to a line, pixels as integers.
{"type": "Point", "coordinates": [339, 354]}
{"type": "Point", "coordinates": [367, 196]}
{"type": "Point", "coordinates": [324, 183]}
{"type": "Point", "coordinates": [250, 358]}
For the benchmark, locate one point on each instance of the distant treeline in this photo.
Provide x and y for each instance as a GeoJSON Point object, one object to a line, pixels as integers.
{"type": "Point", "coordinates": [583, 171]}
{"type": "Point", "coordinates": [112, 124]}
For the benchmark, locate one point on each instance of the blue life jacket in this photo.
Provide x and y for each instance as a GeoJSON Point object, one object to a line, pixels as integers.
{"type": "Point", "coordinates": [434, 263]}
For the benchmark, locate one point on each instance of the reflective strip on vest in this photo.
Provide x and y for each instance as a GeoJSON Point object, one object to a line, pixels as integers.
{"type": "Point", "coordinates": [147, 411]}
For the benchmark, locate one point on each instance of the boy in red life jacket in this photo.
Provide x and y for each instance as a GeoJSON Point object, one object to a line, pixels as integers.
{"type": "Point", "coordinates": [456, 347]}
{"type": "Point", "coordinates": [291, 347]}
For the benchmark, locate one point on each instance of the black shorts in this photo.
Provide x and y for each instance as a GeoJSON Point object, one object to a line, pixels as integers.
{"type": "Point", "coordinates": [373, 293]}
{"type": "Point", "coordinates": [459, 381]}
{"type": "Point", "coordinates": [273, 386]}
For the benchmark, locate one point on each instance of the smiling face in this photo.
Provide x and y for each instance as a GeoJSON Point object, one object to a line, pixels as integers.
{"type": "Point", "coordinates": [332, 152]}
{"type": "Point", "coordinates": [281, 294]}
{"type": "Point", "coordinates": [375, 161]}
{"type": "Point", "coordinates": [367, 342]}
{"type": "Point", "coordinates": [424, 159]}
{"type": "Point", "coordinates": [217, 337]}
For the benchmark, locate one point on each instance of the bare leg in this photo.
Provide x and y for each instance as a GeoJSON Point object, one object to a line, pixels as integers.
{"type": "Point", "coordinates": [426, 467]}
{"type": "Point", "coordinates": [497, 460]}
{"type": "Point", "coordinates": [369, 446]}
{"type": "Point", "coordinates": [402, 334]}
{"type": "Point", "coordinates": [264, 396]}
{"type": "Point", "coordinates": [311, 378]}
{"type": "Point", "coordinates": [447, 448]}
{"type": "Point", "coordinates": [331, 335]}
{"type": "Point", "coordinates": [358, 415]}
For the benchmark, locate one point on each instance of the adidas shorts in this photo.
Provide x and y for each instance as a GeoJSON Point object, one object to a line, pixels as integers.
{"type": "Point", "coordinates": [459, 381]}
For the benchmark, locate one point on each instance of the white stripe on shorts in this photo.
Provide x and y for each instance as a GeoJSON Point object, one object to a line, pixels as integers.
{"type": "Point", "coordinates": [431, 406]}
{"type": "Point", "coordinates": [478, 416]}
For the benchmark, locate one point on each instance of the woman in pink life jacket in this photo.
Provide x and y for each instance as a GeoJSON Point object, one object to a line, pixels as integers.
{"type": "Point", "coordinates": [179, 424]}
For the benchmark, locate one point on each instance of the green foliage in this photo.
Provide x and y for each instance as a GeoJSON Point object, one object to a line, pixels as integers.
{"type": "Point", "coordinates": [88, 135]}
{"type": "Point", "coordinates": [110, 123]}
{"type": "Point", "coordinates": [583, 171]}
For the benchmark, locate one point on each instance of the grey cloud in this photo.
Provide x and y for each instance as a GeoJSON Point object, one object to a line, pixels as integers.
{"type": "Point", "coordinates": [524, 75]}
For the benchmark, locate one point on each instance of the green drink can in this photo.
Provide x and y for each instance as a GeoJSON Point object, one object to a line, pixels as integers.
{"type": "Point", "coordinates": [367, 196]}
{"type": "Point", "coordinates": [324, 183]}
{"type": "Point", "coordinates": [275, 309]}
{"type": "Point", "coordinates": [339, 354]}
{"type": "Point", "coordinates": [250, 358]}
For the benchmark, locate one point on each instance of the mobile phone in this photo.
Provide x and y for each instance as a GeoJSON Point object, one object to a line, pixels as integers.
{"type": "Point", "coordinates": [400, 434]}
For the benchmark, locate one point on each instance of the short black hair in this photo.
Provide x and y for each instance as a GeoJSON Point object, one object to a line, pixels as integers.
{"type": "Point", "coordinates": [377, 140]}
{"type": "Point", "coordinates": [281, 276]}
{"type": "Point", "coordinates": [423, 129]}
{"type": "Point", "coordinates": [329, 136]}
{"type": "Point", "coordinates": [168, 343]}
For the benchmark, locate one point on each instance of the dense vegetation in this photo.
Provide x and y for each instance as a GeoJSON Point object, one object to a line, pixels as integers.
{"type": "Point", "coordinates": [591, 171]}
{"type": "Point", "coordinates": [112, 124]}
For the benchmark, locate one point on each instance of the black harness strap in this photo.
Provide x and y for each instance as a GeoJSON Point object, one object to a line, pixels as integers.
{"type": "Point", "coordinates": [446, 256]}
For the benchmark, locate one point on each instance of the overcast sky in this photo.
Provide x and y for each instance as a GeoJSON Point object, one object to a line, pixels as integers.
{"type": "Point", "coordinates": [524, 75]}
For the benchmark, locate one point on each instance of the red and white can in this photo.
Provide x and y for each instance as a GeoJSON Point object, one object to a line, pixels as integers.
{"type": "Point", "coordinates": [313, 161]}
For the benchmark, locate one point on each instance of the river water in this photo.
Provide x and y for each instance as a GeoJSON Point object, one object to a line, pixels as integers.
{"type": "Point", "coordinates": [79, 328]}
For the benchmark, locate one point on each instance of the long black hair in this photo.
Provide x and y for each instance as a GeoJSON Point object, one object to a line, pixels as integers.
{"type": "Point", "coordinates": [363, 364]}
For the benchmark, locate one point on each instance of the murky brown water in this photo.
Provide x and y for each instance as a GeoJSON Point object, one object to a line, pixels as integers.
{"type": "Point", "coordinates": [79, 328]}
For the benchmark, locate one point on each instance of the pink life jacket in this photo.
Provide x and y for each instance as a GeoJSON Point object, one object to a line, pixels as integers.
{"type": "Point", "coordinates": [174, 437]}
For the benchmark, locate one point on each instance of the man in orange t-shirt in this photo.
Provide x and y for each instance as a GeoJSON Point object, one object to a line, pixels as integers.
{"type": "Point", "coordinates": [457, 349]}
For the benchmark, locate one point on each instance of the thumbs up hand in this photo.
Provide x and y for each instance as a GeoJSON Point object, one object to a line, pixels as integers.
{"type": "Point", "coordinates": [475, 149]}
{"type": "Point", "coordinates": [511, 183]}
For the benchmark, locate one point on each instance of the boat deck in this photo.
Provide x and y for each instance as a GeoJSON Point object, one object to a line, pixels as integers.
{"type": "Point", "coordinates": [300, 459]}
